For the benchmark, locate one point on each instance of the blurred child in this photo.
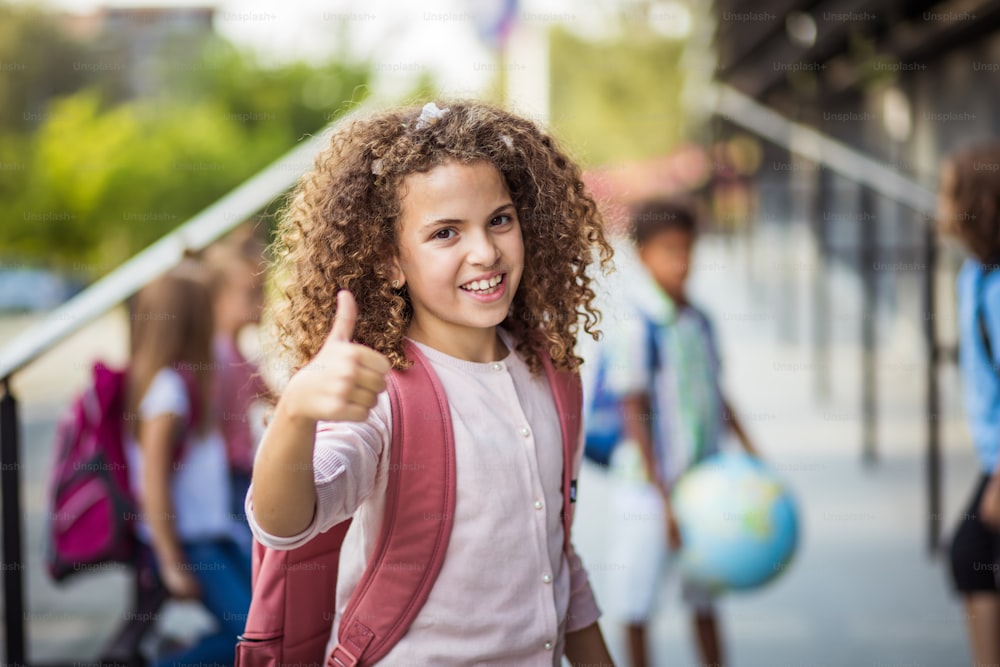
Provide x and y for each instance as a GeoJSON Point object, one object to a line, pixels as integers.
{"type": "Point", "coordinates": [236, 265]}
{"type": "Point", "coordinates": [177, 459]}
{"type": "Point", "coordinates": [969, 210]}
{"type": "Point", "coordinates": [665, 364]}
{"type": "Point", "coordinates": [466, 233]}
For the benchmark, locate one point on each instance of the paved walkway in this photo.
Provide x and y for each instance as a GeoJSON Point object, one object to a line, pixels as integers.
{"type": "Point", "coordinates": [862, 591]}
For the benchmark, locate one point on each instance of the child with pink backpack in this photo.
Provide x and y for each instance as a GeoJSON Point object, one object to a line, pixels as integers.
{"type": "Point", "coordinates": [442, 253]}
{"type": "Point", "coordinates": [176, 460]}
{"type": "Point", "coordinates": [236, 265]}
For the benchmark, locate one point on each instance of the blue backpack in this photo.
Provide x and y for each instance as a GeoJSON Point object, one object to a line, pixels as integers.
{"type": "Point", "coordinates": [605, 419]}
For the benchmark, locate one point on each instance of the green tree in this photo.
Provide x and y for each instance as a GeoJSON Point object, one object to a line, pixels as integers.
{"type": "Point", "coordinates": [36, 64]}
{"type": "Point", "coordinates": [100, 175]}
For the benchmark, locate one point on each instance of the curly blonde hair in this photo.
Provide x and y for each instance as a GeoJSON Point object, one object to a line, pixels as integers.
{"type": "Point", "coordinates": [339, 230]}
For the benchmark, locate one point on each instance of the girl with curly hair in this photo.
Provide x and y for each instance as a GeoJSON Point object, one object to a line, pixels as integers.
{"type": "Point", "coordinates": [969, 210]}
{"type": "Point", "coordinates": [468, 232]}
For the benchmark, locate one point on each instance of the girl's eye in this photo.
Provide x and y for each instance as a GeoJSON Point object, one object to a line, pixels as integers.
{"type": "Point", "coordinates": [501, 220]}
{"type": "Point", "coordinates": [444, 234]}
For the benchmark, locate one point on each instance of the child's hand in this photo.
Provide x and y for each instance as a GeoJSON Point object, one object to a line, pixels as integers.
{"type": "Point", "coordinates": [344, 379]}
{"type": "Point", "coordinates": [673, 531]}
{"type": "Point", "coordinates": [181, 584]}
{"type": "Point", "coordinates": [989, 506]}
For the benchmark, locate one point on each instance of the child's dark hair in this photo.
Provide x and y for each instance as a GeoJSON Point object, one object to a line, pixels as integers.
{"type": "Point", "coordinates": [339, 230]}
{"type": "Point", "coordinates": [653, 216]}
{"type": "Point", "coordinates": [970, 181]}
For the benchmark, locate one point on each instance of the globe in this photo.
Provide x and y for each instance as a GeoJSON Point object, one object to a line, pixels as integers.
{"type": "Point", "coordinates": [738, 523]}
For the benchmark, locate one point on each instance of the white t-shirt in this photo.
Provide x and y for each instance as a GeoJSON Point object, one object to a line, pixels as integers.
{"type": "Point", "coordinates": [200, 483]}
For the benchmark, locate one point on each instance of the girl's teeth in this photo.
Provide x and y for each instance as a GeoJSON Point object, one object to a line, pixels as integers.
{"type": "Point", "coordinates": [482, 285]}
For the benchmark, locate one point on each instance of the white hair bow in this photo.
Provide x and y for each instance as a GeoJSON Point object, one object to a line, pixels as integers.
{"type": "Point", "coordinates": [429, 115]}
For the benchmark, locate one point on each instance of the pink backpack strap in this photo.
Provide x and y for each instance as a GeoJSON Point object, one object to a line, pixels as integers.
{"type": "Point", "coordinates": [294, 591]}
{"type": "Point", "coordinates": [293, 603]}
{"type": "Point", "coordinates": [568, 393]}
{"type": "Point", "coordinates": [419, 511]}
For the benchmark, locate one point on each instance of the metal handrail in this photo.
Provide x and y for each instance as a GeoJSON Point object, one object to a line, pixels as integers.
{"type": "Point", "coordinates": [195, 234]}
{"type": "Point", "coordinates": [849, 162]}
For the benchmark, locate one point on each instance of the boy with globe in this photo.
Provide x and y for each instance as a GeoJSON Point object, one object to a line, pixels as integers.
{"type": "Point", "coordinates": [664, 363]}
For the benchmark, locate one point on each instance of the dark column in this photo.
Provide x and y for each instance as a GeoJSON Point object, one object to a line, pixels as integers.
{"type": "Point", "coordinates": [933, 471]}
{"type": "Point", "coordinates": [868, 252]}
{"type": "Point", "coordinates": [10, 492]}
{"type": "Point", "coordinates": [821, 287]}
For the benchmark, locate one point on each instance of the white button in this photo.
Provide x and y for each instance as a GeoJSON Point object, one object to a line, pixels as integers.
{"type": "Point", "coordinates": [547, 578]}
{"type": "Point", "coordinates": [548, 646]}
{"type": "Point", "coordinates": [497, 367]}
{"type": "Point", "coordinates": [538, 504]}
{"type": "Point", "coordinates": [525, 432]}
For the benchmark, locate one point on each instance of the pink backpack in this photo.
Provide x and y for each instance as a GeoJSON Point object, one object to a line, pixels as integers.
{"type": "Point", "coordinates": [294, 591]}
{"type": "Point", "coordinates": [92, 506]}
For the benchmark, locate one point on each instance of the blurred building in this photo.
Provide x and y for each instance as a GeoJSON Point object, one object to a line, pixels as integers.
{"type": "Point", "coordinates": [145, 46]}
{"type": "Point", "coordinates": [904, 82]}
{"type": "Point", "coordinates": [907, 80]}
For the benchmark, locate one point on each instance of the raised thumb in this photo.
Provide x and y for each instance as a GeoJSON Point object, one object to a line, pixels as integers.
{"type": "Point", "coordinates": [345, 317]}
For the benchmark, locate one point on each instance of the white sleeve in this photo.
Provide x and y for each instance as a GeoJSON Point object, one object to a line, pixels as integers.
{"type": "Point", "coordinates": [167, 394]}
{"type": "Point", "coordinates": [345, 466]}
{"type": "Point", "coordinates": [629, 367]}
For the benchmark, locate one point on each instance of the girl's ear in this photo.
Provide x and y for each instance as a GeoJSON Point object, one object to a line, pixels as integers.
{"type": "Point", "coordinates": [396, 276]}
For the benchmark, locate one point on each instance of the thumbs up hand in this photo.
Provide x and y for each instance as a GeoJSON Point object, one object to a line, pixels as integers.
{"type": "Point", "coordinates": [343, 381]}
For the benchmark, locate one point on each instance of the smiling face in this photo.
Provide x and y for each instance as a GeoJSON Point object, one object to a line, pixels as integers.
{"type": "Point", "coordinates": [460, 256]}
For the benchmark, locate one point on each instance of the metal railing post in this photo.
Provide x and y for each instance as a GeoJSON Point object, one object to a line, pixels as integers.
{"type": "Point", "coordinates": [13, 564]}
{"type": "Point", "coordinates": [933, 470]}
{"type": "Point", "coordinates": [820, 287]}
{"type": "Point", "coordinates": [868, 250]}
{"type": "Point", "coordinates": [787, 275]}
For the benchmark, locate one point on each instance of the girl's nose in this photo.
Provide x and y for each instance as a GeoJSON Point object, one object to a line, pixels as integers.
{"type": "Point", "coordinates": [484, 250]}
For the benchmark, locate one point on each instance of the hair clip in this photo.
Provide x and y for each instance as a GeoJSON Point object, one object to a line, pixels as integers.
{"type": "Point", "coordinates": [377, 167]}
{"type": "Point", "coordinates": [429, 115]}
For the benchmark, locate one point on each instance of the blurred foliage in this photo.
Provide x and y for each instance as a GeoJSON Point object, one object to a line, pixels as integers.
{"type": "Point", "coordinates": [102, 153]}
{"type": "Point", "coordinates": [617, 100]}
{"type": "Point", "coordinates": [36, 64]}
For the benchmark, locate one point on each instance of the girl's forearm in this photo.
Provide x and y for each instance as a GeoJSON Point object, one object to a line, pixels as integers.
{"type": "Point", "coordinates": [284, 495]}
{"type": "Point", "coordinates": [158, 438]}
{"type": "Point", "coordinates": [158, 511]}
{"type": "Point", "coordinates": [587, 647]}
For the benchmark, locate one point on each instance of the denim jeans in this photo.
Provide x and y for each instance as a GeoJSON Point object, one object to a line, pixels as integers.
{"type": "Point", "coordinates": [223, 572]}
{"type": "Point", "coordinates": [240, 484]}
